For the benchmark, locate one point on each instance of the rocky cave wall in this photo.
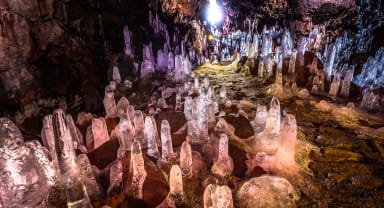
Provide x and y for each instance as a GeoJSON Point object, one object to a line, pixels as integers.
{"type": "Point", "coordinates": [63, 48]}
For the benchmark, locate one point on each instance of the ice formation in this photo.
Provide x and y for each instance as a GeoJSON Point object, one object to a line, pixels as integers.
{"type": "Point", "coordinates": [137, 170]}
{"type": "Point", "coordinates": [216, 196]}
{"type": "Point", "coordinates": [166, 141]}
{"type": "Point", "coordinates": [93, 190]}
{"type": "Point", "coordinates": [346, 83]}
{"type": "Point", "coordinates": [99, 132]}
{"type": "Point", "coordinates": [125, 134]}
{"type": "Point", "coordinates": [223, 165]}
{"type": "Point", "coordinates": [269, 140]}
{"type": "Point", "coordinates": [138, 121]}
{"type": "Point", "coordinates": [127, 41]}
{"type": "Point", "coordinates": [26, 172]}
{"type": "Point", "coordinates": [66, 160]}
{"type": "Point", "coordinates": [122, 107]}
{"type": "Point", "coordinates": [109, 102]}
{"type": "Point", "coordinates": [372, 73]}
{"type": "Point", "coordinates": [151, 136]}
{"type": "Point", "coordinates": [176, 190]}
{"type": "Point", "coordinates": [186, 158]}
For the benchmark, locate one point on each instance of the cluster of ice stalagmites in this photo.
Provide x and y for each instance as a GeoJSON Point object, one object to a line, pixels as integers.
{"type": "Point", "coordinates": [27, 174]}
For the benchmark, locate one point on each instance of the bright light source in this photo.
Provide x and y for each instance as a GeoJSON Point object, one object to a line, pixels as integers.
{"type": "Point", "coordinates": [210, 37]}
{"type": "Point", "coordinates": [214, 13]}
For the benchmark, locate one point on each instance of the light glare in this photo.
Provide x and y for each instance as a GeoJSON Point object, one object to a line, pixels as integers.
{"type": "Point", "coordinates": [215, 14]}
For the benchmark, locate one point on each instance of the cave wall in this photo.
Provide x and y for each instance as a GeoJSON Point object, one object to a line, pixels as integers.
{"type": "Point", "coordinates": [51, 48]}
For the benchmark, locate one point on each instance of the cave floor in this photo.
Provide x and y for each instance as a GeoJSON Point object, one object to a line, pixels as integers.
{"type": "Point", "coordinates": [340, 149]}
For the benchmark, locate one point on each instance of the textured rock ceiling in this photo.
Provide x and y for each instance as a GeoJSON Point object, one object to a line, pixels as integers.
{"type": "Point", "coordinates": [334, 12]}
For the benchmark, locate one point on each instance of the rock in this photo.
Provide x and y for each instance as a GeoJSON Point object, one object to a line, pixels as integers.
{"type": "Point", "coordinates": [337, 155]}
{"type": "Point", "coordinates": [366, 181]}
{"type": "Point", "coordinates": [303, 94]}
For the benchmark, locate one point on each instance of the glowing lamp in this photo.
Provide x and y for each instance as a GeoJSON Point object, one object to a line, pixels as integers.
{"type": "Point", "coordinates": [214, 13]}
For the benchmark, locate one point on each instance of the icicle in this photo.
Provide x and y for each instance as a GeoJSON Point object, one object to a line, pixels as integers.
{"type": "Point", "coordinates": [329, 64]}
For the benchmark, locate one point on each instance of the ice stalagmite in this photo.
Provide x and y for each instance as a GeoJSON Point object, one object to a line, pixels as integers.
{"type": "Point", "coordinates": [162, 63]}
{"type": "Point", "coordinates": [126, 133]}
{"type": "Point", "coordinates": [93, 189]}
{"type": "Point", "coordinates": [109, 102]}
{"type": "Point", "coordinates": [116, 75]}
{"type": "Point", "coordinates": [99, 131]}
{"type": "Point", "coordinates": [260, 69]}
{"type": "Point", "coordinates": [122, 107]}
{"type": "Point", "coordinates": [115, 178]}
{"type": "Point", "coordinates": [178, 72]}
{"type": "Point", "coordinates": [137, 170]}
{"type": "Point", "coordinates": [269, 140]}
{"type": "Point", "coordinates": [223, 166]}
{"type": "Point", "coordinates": [178, 104]}
{"type": "Point", "coordinates": [206, 82]}
{"type": "Point", "coordinates": [75, 133]}
{"type": "Point", "coordinates": [176, 190]}
{"type": "Point", "coordinates": [151, 135]}
{"type": "Point", "coordinates": [335, 85]}
{"type": "Point", "coordinates": [166, 141]}
{"type": "Point", "coordinates": [48, 138]}
{"type": "Point", "coordinates": [286, 44]}
{"type": "Point", "coordinates": [216, 196]}
{"type": "Point", "coordinates": [26, 172]}
{"type": "Point", "coordinates": [292, 62]}
{"type": "Point", "coordinates": [171, 61]}
{"type": "Point", "coordinates": [138, 121]}
{"type": "Point", "coordinates": [186, 158]}
{"type": "Point", "coordinates": [67, 166]}
{"type": "Point", "coordinates": [330, 62]}
{"type": "Point", "coordinates": [260, 119]}
{"type": "Point", "coordinates": [127, 41]}
{"type": "Point", "coordinates": [346, 83]}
